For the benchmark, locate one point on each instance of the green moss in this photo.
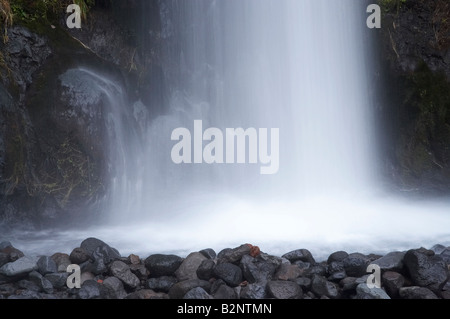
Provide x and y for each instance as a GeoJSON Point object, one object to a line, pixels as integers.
{"type": "Point", "coordinates": [391, 5]}
{"type": "Point", "coordinates": [45, 11]}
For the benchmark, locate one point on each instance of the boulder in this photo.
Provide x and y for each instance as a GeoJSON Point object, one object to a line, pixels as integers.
{"type": "Point", "coordinates": [4, 259]}
{"type": "Point", "coordinates": [393, 261]}
{"type": "Point", "coordinates": [100, 253]}
{"type": "Point", "coordinates": [162, 265]}
{"type": "Point", "coordinates": [43, 283]}
{"type": "Point", "coordinates": [336, 271]}
{"type": "Point", "coordinates": [208, 253]}
{"type": "Point", "coordinates": [85, 276]}
{"type": "Point", "coordinates": [280, 289]}
{"type": "Point", "coordinates": [315, 269]}
{"type": "Point", "coordinates": [426, 270]}
{"type": "Point", "coordinates": [11, 251]}
{"type": "Point", "coordinates": [62, 261]}
{"type": "Point", "coordinates": [355, 264]}
{"type": "Point", "coordinates": [197, 293]}
{"type": "Point", "coordinates": [259, 269]}
{"type": "Point", "coordinates": [287, 272]}
{"type": "Point", "coordinates": [29, 285]}
{"type": "Point", "coordinates": [300, 254]}
{"type": "Point", "coordinates": [140, 271]}
{"type": "Point", "coordinates": [206, 269]}
{"type": "Point", "coordinates": [320, 286]}
{"type": "Point", "coordinates": [230, 273]}
{"type": "Point", "coordinates": [337, 256]}
{"type": "Point", "coordinates": [438, 248]}
{"type": "Point", "coordinates": [180, 289]}
{"type": "Point", "coordinates": [415, 292]}
{"type": "Point", "coordinates": [254, 291]}
{"type": "Point", "coordinates": [234, 255]}
{"type": "Point", "coordinates": [161, 284]}
{"type": "Point", "coordinates": [134, 259]}
{"type": "Point", "coordinates": [147, 294]}
{"type": "Point", "coordinates": [304, 283]}
{"type": "Point", "coordinates": [122, 271]}
{"type": "Point", "coordinates": [189, 266]}
{"type": "Point", "coordinates": [445, 254]}
{"type": "Point", "coordinates": [21, 266]}
{"type": "Point", "coordinates": [91, 289]}
{"type": "Point", "coordinates": [116, 287]}
{"type": "Point", "coordinates": [392, 282]}
{"type": "Point", "coordinates": [91, 245]}
{"type": "Point", "coordinates": [364, 292]}
{"type": "Point", "coordinates": [46, 265]}
{"type": "Point", "coordinates": [58, 280]}
{"type": "Point", "coordinates": [220, 290]}
{"type": "Point", "coordinates": [79, 256]}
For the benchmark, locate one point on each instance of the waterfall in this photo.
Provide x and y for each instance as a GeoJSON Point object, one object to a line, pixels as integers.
{"type": "Point", "coordinates": [295, 66]}
{"type": "Point", "coordinates": [298, 68]}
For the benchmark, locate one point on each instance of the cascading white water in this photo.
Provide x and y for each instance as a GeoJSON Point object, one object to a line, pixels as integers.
{"type": "Point", "coordinates": [296, 65]}
{"type": "Point", "coordinates": [293, 65]}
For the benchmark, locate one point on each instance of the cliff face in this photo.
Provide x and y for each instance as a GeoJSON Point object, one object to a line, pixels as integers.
{"type": "Point", "coordinates": [415, 94]}
{"type": "Point", "coordinates": [53, 117]}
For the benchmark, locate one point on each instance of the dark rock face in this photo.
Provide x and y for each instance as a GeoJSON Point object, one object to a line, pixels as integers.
{"type": "Point", "coordinates": [53, 123]}
{"type": "Point", "coordinates": [414, 90]}
{"type": "Point", "coordinates": [25, 53]}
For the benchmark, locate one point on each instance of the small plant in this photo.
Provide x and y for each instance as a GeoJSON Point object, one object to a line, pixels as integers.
{"type": "Point", "coordinates": [392, 5]}
{"type": "Point", "coordinates": [6, 18]}
{"type": "Point", "coordinates": [44, 10]}
{"type": "Point", "coordinates": [441, 24]}
{"type": "Point", "coordinates": [85, 6]}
